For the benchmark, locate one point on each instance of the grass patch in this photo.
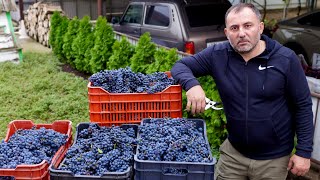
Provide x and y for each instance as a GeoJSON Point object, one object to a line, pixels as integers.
{"type": "Point", "coordinates": [38, 90]}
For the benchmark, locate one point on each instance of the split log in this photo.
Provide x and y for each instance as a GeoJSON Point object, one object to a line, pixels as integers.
{"type": "Point", "coordinates": [37, 21]}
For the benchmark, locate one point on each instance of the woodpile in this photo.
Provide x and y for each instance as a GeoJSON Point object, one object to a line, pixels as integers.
{"type": "Point", "coordinates": [37, 21]}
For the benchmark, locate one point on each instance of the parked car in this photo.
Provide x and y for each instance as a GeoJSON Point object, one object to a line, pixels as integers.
{"type": "Point", "coordinates": [188, 25]}
{"type": "Point", "coordinates": [302, 35]}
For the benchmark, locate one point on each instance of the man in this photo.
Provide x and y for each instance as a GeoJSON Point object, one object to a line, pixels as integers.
{"type": "Point", "coordinates": [265, 96]}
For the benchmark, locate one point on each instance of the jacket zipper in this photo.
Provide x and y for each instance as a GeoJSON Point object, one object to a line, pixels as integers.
{"type": "Point", "coordinates": [247, 100]}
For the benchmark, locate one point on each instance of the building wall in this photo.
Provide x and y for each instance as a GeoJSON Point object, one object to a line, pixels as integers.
{"type": "Point", "coordinates": [275, 4]}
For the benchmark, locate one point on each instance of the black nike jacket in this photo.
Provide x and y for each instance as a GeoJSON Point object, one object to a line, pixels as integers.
{"type": "Point", "coordinates": [266, 100]}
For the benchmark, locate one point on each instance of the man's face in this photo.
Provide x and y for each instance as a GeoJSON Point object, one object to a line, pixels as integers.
{"type": "Point", "coordinates": [243, 29]}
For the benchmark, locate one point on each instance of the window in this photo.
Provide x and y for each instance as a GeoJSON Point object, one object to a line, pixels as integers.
{"type": "Point", "coordinates": [311, 20]}
{"type": "Point", "coordinates": [206, 14]}
{"type": "Point", "coordinates": [157, 15]}
{"type": "Point", "coordinates": [133, 14]}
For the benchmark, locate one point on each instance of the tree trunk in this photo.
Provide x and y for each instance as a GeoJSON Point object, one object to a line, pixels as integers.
{"type": "Point", "coordinates": [285, 9]}
{"type": "Point", "coordinates": [299, 7]}
{"type": "Point", "coordinates": [264, 7]}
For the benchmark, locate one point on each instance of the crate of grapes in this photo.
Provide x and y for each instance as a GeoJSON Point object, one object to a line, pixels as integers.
{"type": "Point", "coordinates": [123, 97]}
{"type": "Point", "coordinates": [28, 149]}
{"type": "Point", "coordinates": [173, 149]}
{"type": "Point", "coordinates": [98, 152]}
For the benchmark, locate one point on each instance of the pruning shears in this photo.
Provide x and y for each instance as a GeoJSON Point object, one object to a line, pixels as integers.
{"type": "Point", "coordinates": [212, 104]}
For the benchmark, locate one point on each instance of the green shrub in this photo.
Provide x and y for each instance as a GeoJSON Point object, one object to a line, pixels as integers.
{"type": "Point", "coordinates": [82, 43]}
{"type": "Point", "coordinates": [122, 51]}
{"type": "Point", "coordinates": [55, 21]}
{"type": "Point", "coordinates": [144, 54]}
{"type": "Point", "coordinates": [58, 41]}
{"type": "Point", "coordinates": [102, 49]}
{"type": "Point", "coordinates": [87, 55]}
{"type": "Point", "coordinates": [164, 60]}
{"type": "Point", "coordinates": [68, 39]}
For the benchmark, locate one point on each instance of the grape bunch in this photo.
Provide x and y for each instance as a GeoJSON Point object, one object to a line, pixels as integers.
{"type": "Point", "coordinates": [175, 139]}
{"type": "Point", "coordinates": [30, 146]}
{"type": "Point", "coordinates": [98, 150]}
{"type": "Point", "coordinates": [124, 80]}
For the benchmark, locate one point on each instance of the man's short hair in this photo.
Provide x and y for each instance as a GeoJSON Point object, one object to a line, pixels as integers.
{"type": "Point", "coordinates": [238, 7]}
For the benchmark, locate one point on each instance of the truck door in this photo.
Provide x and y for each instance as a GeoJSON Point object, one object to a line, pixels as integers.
{"type": "Point", "coordinates": [130, 23]}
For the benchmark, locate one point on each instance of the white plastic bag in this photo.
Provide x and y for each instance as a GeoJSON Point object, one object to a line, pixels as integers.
{"type": "Point", "coordinates": [316, 61]}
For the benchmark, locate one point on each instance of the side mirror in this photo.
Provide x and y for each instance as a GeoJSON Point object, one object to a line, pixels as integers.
{"type": "Point", "coordinates": [115, 20]}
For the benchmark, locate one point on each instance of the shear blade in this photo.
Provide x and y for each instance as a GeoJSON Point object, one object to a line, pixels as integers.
{"type": "Point", "coordinates": [211, 104]}
{"type": "Point", "coordinates": [207, 106]}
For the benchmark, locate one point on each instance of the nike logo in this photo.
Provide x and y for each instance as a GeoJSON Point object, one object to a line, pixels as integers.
{"type": "Point", "coordinates": [263, 68]}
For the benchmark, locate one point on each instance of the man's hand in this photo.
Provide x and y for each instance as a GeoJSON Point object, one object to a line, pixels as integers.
{"type": "Point", "coordinates": [196, 99]}
{"type": "Point", "coordinates": [298, 165]}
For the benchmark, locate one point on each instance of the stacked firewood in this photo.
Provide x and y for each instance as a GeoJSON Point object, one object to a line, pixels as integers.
{"type": "Point", "coordinates": [37, 21]}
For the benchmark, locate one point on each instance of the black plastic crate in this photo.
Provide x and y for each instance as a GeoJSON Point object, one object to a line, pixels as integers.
{"type": "Point", "coordinates": [56, 174]}
{"type": "Point", "coordinates": [162, 170]}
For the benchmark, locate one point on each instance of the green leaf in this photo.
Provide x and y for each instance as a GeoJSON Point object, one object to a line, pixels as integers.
{"type": "Point", "coordinates": [210, 131]}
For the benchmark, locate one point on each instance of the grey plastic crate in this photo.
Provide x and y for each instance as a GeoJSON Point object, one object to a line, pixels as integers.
{"type": "Point", "coordinates": [159, 170]}
{"type": "Point", "coordinates": [56, 174]}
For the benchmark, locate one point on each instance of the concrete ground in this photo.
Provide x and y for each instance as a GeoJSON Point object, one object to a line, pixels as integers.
{"type": "Point", "coordinates": [27, 43]}
{"type": "Point", "coordinates": [30, 45]}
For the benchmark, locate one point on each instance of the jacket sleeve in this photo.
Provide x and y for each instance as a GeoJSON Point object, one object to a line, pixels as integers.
{"type": "Point", "coordinates": [186, 70]}
{"type": "Point", "coordinates": [300, 97]}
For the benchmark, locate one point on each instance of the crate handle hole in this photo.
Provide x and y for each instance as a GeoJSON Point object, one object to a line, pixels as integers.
{"type": "Point", "coordinates": [7, 178]}
{"type": "Point", "coordinates": [174, 171]}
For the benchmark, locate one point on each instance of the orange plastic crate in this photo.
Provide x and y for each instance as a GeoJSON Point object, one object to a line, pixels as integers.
{"type": "Point", "coordinates": [38, 171]}
{"type": "Point", "coordinates": [131, 108]}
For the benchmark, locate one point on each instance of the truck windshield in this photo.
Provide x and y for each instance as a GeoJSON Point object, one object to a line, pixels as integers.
{"type": "Point", "coordinates": [206, 14]}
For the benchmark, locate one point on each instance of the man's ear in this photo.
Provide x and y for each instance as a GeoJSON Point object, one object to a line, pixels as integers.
{"type": "Point", "coordinates": [261, 27]}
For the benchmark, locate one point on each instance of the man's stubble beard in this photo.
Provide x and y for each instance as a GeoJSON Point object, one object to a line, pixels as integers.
{"type": "Point", "coordinates": [246, 50]}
